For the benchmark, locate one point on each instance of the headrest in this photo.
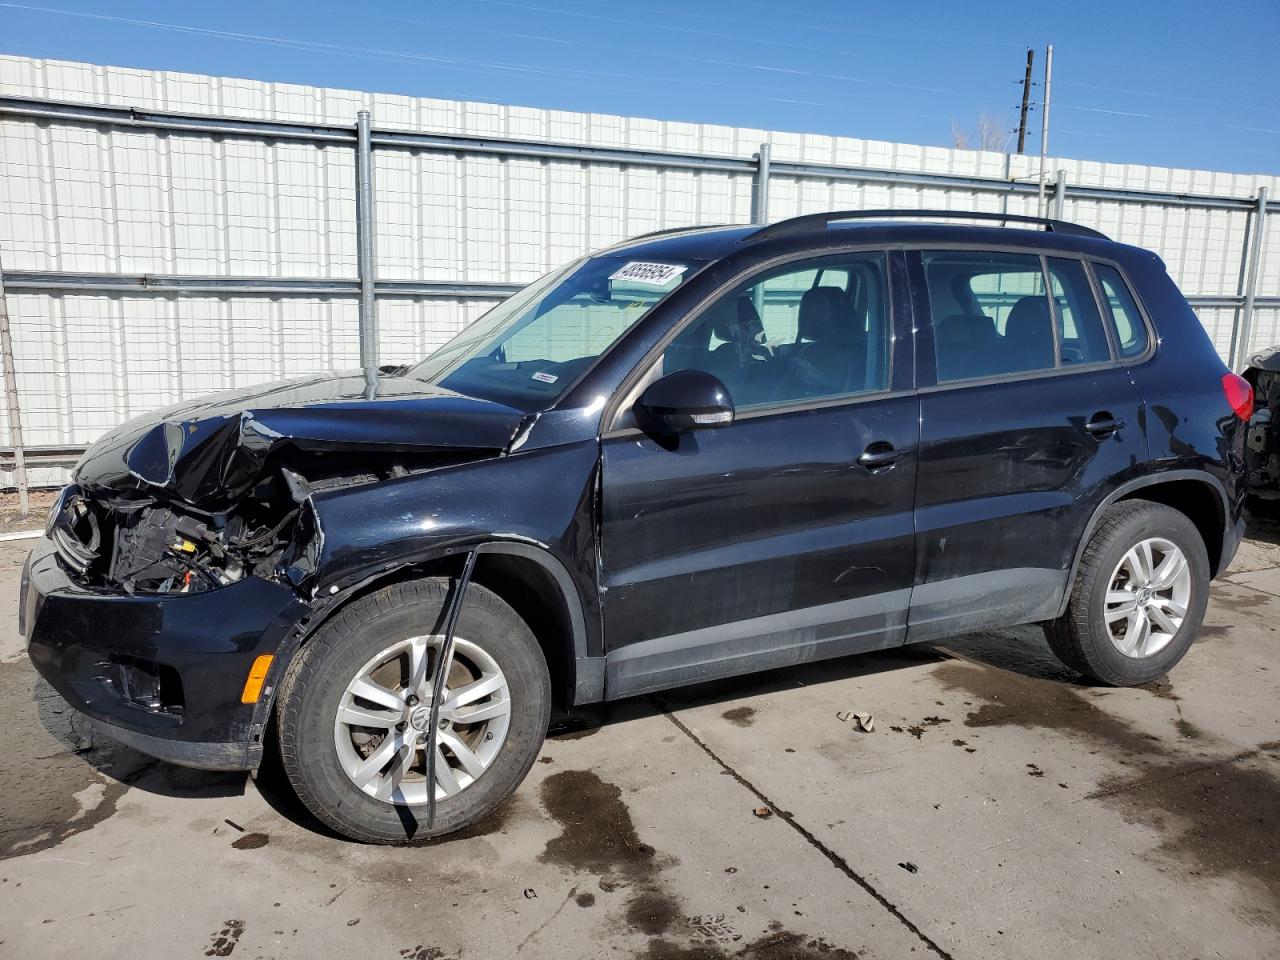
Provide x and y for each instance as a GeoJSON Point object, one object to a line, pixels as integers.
{"type": "Point", "coordinates": [1029, 323]}
{"type": "Point", "coordinates": [1029, 332]}
{"type": "Point", "coordinates": [824, 316]}
{"type": "Point", "coordinates": [737, 321]}
{"type": "Point", "coordinates": [1029, 319]}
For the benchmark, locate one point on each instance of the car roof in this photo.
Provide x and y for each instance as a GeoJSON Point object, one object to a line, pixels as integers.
{"type": "Point", "coordinates": [717, 243]}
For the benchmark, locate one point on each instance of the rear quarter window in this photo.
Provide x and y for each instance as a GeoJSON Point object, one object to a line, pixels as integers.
{"type": "Point", "coordinates": [1124, 315]}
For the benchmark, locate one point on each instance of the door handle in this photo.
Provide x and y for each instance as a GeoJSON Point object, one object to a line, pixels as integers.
{"type": "Point", "coordinates": [879, 455]}
{"type": "Point", "coordinates": [1103, 424]}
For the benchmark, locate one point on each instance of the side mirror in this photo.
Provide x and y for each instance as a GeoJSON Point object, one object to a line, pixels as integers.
{"type": "Point", "coordinates": [685, 400]}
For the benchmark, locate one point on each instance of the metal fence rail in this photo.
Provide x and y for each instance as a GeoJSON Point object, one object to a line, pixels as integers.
{"type": "Point", "coordinates": [367, 290]}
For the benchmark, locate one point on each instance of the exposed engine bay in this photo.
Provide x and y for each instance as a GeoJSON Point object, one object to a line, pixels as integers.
{"type": "Point", "coordinates": [146, 545]}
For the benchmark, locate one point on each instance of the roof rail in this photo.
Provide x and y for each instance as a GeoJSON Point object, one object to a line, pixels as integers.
{"type": "Point", "coordinates": [816, 221]}
{"type": "Point", "coordinates": [692, 228]}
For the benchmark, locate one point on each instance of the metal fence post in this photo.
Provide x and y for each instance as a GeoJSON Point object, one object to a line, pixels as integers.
{"type": "Point", "coordinates": [1244, 342]}
{"type": "Point", "coordinates": [365, 264]}
{"type": "Point", "coordinates": [11, 404]}
{"type": "Point", "coordinates": [1059, 194]}
{"type": "Point", "coordinates": [761, 212]}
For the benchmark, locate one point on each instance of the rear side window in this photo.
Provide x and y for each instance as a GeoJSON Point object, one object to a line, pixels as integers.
{"type": "Point", "coordinates": [1081, 337]}
{"type": "Point", "coordinates": [990, 314]}
{"type": "Point", "coordinates": [1126, 320]}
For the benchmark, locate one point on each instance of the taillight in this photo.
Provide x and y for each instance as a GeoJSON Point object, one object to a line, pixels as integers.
{"type": "Point", "coordinates": [1239, 395]}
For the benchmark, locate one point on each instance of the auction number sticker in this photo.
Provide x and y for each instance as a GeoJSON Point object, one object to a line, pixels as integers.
{"type": "Point", "coordinates": [545, 377]}
{"type": "Point", "coordinates": [654, 274]}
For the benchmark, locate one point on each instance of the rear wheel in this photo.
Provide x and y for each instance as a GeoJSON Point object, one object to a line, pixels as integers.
{"type": "Point", "coordinates": [355, 713]}
{"type": "Point", "coordinates": [1138, 598]}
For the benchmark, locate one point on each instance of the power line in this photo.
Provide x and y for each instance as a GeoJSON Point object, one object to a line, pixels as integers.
{"type": "Point", "coordinates": [597, 45]}
{"type": "Point", "coordinates": [1114, 113]}
{"type": "Point", "coordinates": [648, 24]}
{"type": "Point", "coordinates": [789, 22]}
{"type": "Point", "coordinates": [577, 76]}
{"type": "Point", "coordinates": [1165, 96]}
{"type": "Point", "coordinates": [472, 65]}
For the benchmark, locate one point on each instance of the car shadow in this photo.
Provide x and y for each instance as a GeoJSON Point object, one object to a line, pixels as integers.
{"type": "Point", "coordinates": [1262, 521]}
{"type": "Point", "coordinates": [121, 763]}
{"type": "Point", "coordinates": [1021, 650]}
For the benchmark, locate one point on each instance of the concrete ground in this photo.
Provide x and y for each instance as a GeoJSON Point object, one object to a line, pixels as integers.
{"type": "Point", "coordinates": [1000, 808]}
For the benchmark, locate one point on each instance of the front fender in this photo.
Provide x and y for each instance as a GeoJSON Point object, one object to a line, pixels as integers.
{"type": "Point", "coordinates": [539, 506]}
{"type": "Point", "coordinates": [544, 497]}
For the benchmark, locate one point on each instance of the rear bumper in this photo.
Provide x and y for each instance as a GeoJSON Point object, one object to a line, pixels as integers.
{"type": "Point", "coordinates": [160, 673]}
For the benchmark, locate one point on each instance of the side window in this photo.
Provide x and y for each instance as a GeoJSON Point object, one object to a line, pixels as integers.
{"type": "Point", "coordinates": [990, 314]}
{"type": "Point", "coordinates": [1126, 320]}
{"type": "Point", "coordinates": [1081, 337]}
{"type": "Point", "coordinates": [802, 331]}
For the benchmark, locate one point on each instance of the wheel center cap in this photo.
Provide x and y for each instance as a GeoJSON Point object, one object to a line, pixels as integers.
{"type": "Point", "coordinates": [420, 717]}
{"type": "Point", "coordinates": [1144, 595]}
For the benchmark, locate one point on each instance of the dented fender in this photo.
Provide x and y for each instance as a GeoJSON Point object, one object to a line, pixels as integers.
{"type": "Point", "coordinates": [537, 505]}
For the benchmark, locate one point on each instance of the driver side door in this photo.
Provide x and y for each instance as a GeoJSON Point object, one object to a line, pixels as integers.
{"type": "Point", "coordinates": [786, 535]}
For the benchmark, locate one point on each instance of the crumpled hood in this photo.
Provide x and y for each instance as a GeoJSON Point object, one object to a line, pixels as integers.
{"type": "Point", "coordinates": [210, 452]}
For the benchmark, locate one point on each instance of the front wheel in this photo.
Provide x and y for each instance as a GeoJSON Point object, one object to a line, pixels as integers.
{"type": "Point", "coordinates": [355, 709]}
{"type": "Point", "coordinates": [1138, 598]}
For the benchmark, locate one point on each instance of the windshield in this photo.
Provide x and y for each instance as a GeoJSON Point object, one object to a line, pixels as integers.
{"type": "Point", "coordinates": [527, 350]}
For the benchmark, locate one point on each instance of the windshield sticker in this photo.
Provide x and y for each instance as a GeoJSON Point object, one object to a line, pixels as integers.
{"type": "Point", "coordinates": [545, 377]}
{"type": "Point", "coordinates": [654, 274]}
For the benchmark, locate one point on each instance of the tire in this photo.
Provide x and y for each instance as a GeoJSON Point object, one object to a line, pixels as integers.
{"type": "Point", "coordinates": [318, 747]}
{"type": "Point", "coordinates": [1082, 638]}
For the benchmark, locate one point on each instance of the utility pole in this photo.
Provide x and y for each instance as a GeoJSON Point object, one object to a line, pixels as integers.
{"type": "Point", "coordinates": [1026, 101]}
{"type": "Point", "coordinates": [1044, 125]}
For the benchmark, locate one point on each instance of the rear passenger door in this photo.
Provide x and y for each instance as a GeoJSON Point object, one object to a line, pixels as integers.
{"type": "Point", "coordinates": [1027, 421]}
{"type": "Point", "coordinates": [786, 535]}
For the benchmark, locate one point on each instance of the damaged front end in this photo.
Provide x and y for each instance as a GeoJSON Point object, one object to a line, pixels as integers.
{"type": "Point", "coordinates": [183, 560]}
{"type": "Point", "coordinates": [197, 502]}
{"type": "Point", "coordinates": [144, 545]}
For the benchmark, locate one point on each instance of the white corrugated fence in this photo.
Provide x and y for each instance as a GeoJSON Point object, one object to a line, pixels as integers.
{"type": "Point", "coordinates": [161, 239]}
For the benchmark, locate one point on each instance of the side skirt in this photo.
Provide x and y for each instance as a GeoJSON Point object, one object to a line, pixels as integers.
{"type": "Point", "coordinates": [981, 601]}
{"type": "Point", "coordinates": [759, 643]}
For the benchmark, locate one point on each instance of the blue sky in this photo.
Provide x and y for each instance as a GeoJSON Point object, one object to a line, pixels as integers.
{"type": "Point", "coordinates": [1174, 83]}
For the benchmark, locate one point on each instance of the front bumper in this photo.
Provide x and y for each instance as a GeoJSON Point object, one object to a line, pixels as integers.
{"type": "Point", "coordinates": [160, 673]}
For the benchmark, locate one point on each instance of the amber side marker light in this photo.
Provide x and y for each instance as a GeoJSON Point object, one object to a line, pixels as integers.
{"type": "Point", "coordinates": [257, 676]}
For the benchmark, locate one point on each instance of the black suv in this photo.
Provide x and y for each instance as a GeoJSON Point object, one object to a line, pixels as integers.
{"type": "Point", "coordinates": [696, 454]}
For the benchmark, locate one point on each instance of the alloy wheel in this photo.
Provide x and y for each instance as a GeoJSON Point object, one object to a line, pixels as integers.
{"type": "Point", "coordinates": [380, 730]}
{"type": "Point", "coordinates": [1147, 597]}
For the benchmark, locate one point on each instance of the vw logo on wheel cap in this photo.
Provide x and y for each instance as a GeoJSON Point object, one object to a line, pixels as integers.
{"type": "Point", "coordinates": [420, 718]}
